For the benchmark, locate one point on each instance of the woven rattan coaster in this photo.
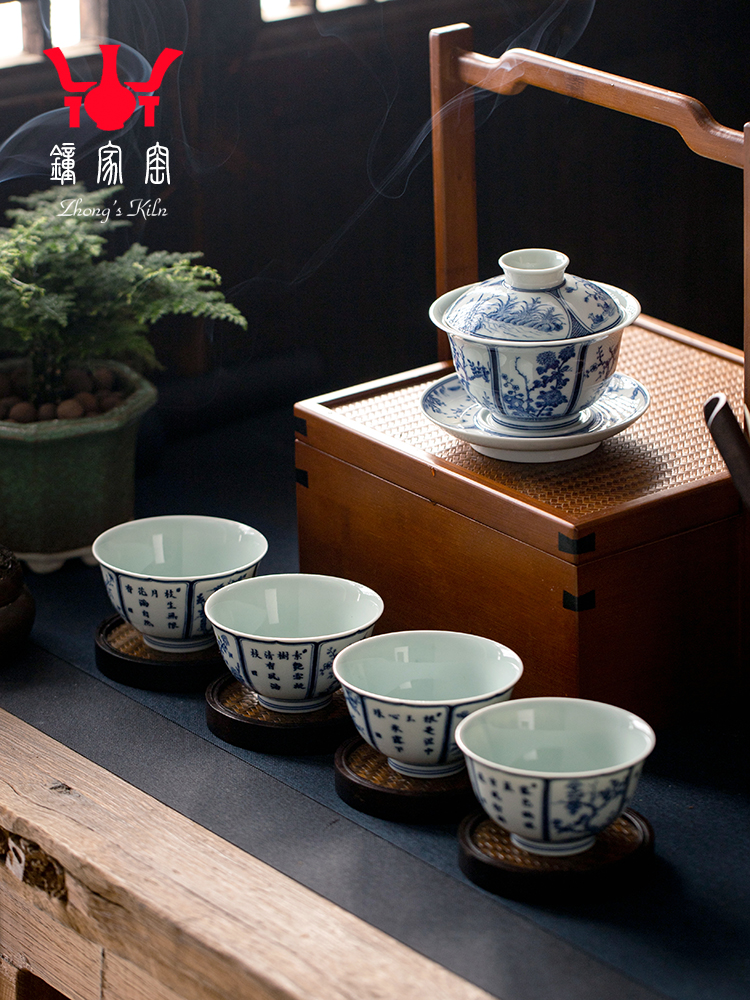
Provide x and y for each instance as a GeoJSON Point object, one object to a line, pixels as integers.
{"type": "Point", "coordinates": [365, 781]}
{"type": "Point", "coordinates": [123, 656]}
{"type": "Point", "coordinates": [235, 715]}
{"type": "Point", "coordinates": [490, 859]}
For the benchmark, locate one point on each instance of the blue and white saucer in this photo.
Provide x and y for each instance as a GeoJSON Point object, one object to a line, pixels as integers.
{"type": "Point", "coordinates": [449, 406]}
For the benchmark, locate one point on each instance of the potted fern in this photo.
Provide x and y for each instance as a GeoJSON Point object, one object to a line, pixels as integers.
{"type": "Point", "coordinates": [70, 317]}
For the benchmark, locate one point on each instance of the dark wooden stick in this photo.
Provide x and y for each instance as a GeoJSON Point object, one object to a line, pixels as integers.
{"type": "Point", "coordinates": [730, 440]}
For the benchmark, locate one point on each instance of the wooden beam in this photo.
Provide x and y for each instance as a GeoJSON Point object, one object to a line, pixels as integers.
{"type": "Point", "coordinates": [152, 896]}
{"type": "Point", "coordinates": [518, 68]}
{"type": "Point", "coordinates": [453, 166]}
{"type": "Point", "coordinates": [35, 26]}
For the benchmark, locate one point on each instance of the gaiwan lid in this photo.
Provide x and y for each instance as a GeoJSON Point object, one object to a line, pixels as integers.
{"type": "Point", "coordinates": [534, 300]}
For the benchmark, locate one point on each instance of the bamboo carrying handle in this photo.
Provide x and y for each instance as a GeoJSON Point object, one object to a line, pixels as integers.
{"type": "Point", "coordinates": [518, 68]}
{"type": "Point", "coordinates": [455, 68]}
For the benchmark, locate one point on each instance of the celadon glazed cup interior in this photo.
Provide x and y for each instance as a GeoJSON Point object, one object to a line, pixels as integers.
{"type": "Point", "coordinates": [554, 772]}
{"type": "Point", "coordinates": [279, 634]}
{"type": "Point", "coordinates": [407, 692]}
{"type": "Point", "coordinates": [160, 571]}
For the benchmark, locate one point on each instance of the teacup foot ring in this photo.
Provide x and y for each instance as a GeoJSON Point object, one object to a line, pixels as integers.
{"type": "Point", "coordinates": [123, 656]}
{"type": "Point", "coordinates": [489, 857]}
{"type": "Point", "coordinates": [235, 715]}
{"type": "Point", "coordinates": [366, 782]}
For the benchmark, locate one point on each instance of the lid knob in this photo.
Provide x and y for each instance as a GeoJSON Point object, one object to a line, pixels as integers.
{"type": "Point", "coordinates": [534, 268]}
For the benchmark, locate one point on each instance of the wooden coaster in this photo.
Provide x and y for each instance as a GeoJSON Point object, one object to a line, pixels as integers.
{"type": "Point", "coordinates": [235, 715]}
{"type": "Point", "coordinates": [490, 859]}
{"type": "Point", "coordinates": [365, 781]}
{"type": "Point", "coordinates": [123, 656]}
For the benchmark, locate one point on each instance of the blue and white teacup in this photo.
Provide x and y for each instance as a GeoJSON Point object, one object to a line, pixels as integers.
{"type": "Point", "coordinates": [160, 572]}
{"type": "Point", "coordinates": [279, 634]}
{"type": "Point", "coordinates": [407, 692]}
{"type": "Point", "coordinates": [554, 772]}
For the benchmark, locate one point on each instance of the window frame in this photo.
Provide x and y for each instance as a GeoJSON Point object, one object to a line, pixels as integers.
{"type": "Point", "coordinates": [30, 76]}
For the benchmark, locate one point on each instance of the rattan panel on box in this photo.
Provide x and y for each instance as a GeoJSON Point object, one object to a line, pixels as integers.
{"type": "Point", "coordinates": [668, 447]}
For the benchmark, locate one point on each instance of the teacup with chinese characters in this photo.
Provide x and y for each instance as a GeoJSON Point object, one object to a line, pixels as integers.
{"type": "Point", "coordinates": [407, 692]}
{"type": "Point", "coordinates": [554, 772]}
{"type": "Point", "coordinates": [279, 634]}
{"type": "Point", "coordinates": [160, 571]}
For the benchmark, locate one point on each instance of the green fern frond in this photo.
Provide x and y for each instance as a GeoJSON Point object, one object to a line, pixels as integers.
{"type": "Point", "coordinates": [61, 296]}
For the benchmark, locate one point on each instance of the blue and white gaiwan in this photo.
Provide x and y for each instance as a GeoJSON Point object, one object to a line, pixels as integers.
{"type": "Point", "coordinates": [536, 347]}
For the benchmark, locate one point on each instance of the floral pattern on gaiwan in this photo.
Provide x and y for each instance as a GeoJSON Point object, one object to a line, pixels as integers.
{"type": "Point", "coordinates": [594, 307]}
{"type": "Point", "coordinates": [539, 396]}
{"type": "Point", "coordinates": [529, 383]}
{"type": "Point", "coordinates": [495, 309]}
{"type": "Point", "coordinates": [492, 309]}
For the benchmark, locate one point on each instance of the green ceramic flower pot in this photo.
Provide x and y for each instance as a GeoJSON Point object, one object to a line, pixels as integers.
{"type": "Point", "coordinates": [62, 482]}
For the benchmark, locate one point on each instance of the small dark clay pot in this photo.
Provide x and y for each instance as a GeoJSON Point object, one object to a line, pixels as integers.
{"type": "Point", "coordinates": [17, 607]}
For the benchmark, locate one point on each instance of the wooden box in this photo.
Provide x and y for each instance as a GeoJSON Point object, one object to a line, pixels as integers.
{"type": "Point", "coordinates": [615, 576]}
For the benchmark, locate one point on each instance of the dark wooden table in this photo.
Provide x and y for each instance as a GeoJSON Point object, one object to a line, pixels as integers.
{"type": "Point", "coordinates": [143, 858]}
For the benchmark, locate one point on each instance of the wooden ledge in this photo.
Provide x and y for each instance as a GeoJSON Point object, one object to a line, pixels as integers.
{"type": "Point", "coordinates": [146, 903]}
